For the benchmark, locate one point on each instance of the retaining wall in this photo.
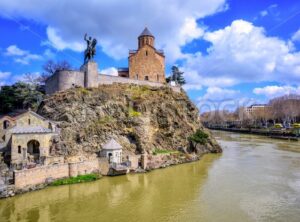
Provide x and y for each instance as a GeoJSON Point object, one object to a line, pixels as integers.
{"type": "Point", "coordinates": [38, 175]}
{"type": "Point", "coordinates": [108, 80]}
{"type": "Point", "coordinates": [31, 177]}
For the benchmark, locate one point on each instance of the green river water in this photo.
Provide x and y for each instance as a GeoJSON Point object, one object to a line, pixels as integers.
{"type": "Point", "coordinates": [255, 179]}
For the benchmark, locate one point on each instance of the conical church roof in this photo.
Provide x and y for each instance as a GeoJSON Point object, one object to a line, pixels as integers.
{"type": "Point", "coordinates": [112, 145]}
{"type": "Point", "coordinates": [146, 32]}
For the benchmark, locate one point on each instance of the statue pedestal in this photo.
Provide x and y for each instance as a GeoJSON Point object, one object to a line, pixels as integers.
{"type": "Point", "coordinates": [90, 70]}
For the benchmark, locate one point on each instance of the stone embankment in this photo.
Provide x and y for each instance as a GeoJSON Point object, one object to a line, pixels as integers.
{"type": "Point", "coordinates": [275, 134]}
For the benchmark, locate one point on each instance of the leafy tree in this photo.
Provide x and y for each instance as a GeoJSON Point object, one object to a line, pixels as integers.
{"type": "Point", "coordinates": [19, 96]}
{"type": "Point", "coordinates": [176, 76]}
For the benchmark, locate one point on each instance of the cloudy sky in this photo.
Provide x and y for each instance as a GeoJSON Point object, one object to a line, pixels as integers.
{"type": "Point", "coordinates": [235, 51]}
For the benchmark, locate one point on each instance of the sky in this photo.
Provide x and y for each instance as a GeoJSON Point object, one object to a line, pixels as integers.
{"type": "Point", "coordinates": [233, 52]}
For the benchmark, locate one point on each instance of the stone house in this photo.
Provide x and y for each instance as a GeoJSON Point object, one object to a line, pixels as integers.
{"type": "Point", "coordinates": [112, 150]}
{"type": "Point", "coordinates": [27, 139]}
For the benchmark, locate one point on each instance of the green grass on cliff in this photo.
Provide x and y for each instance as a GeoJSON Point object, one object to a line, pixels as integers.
{"type": "Point", "coordinates": [133, 113]}
{"type": "Point", "coordinates": [78, 179]}
{"type": "Point", "coordinates": [138, 92]}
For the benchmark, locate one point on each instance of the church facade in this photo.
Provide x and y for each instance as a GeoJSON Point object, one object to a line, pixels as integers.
{"type": "Point", "coordinates": [146, 63]}
{"type": "Point", "coordinates": [146, 66]}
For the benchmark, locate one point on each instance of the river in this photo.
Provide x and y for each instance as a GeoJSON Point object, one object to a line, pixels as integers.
{"type": "Point", "coordinates": [255, 179]}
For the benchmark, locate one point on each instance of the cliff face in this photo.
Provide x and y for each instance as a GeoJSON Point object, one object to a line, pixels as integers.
{"type": "Point", "coordinates": [140, 118]}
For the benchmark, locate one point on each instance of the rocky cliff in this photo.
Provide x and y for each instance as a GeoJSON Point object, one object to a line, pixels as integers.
{"type": "Point", "coordinates": [142, 119]}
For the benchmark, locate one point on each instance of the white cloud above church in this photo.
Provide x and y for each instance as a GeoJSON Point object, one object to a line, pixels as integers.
{"type": "Point", "coordinates": [116, 24]}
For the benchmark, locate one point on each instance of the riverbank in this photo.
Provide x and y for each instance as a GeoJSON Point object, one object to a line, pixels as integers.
{"type": "Point", "coordinates": [255, 179]}
{"type": "Point", "coordinates": [262, 132]}
{"type": "Point", "coordinates": [153, 162]}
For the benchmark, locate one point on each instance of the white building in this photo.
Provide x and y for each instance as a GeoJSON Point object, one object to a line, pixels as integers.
{"type": "Point", "coordinates": [112, 150]}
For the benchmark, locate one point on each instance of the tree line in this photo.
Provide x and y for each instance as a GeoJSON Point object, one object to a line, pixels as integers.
{"type": "Point", "coordinates": [284, 110]}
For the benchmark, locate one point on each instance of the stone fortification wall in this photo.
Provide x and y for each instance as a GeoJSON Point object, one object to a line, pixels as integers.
{"type": "Point", "coordinates": [89, 77]}
{"type": "Point", "coordinates": [51, 85]}
{"type": "Point", "coordinates": [108, 80]}
{"type": "Point", "coordinates": [63, 80]}
{"type": "Point", "coordinates": [39, 175]}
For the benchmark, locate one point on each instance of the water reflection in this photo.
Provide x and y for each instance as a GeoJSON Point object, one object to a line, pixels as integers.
{"type": "Point", "coordinates": [255, 179]}
{"type": "Point", "coordinates": [159, 194]}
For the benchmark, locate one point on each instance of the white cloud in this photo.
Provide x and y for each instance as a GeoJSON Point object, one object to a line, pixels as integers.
{"type": "Point", "coordinates": [4, 77]}
{"type": "Point", "coordinates": [219, 94]}
{"type": "Point", "coordinates": [274, 91]}
{"type": "Point", "coordinates": [296, 36]}
{"type": "Point", "coordinates": [263, 13]}
{"type": "Point", "coordinates": [112, 71]}
{"type": "Point", "coordinates": [49, 54]}
{"type": "Point", "coordinates": [216, 98]}
{"type": "Point", "coordinates": [21, 56]}
{"type": "Point", "coordinates": [13, 50]}
{"type": "Point", "coordinates": [271, 10]}
{"type": "Point", "coordinates": [57, 42]}
{"type": "Point", "coordinates": [116, 24]}
{"type": "Point", "coordinates": [242, 53]}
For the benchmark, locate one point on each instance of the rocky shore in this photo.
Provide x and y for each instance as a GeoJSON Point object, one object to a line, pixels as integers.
{"type": "Point", "coordinates": [142, 119]}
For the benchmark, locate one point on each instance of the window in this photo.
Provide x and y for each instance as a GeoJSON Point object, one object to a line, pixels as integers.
{"type": "Point", "coordinates": [29, 121]}
{"type": "Point", "coordinates": [147, 78]}
{"type": "Point", "coordinates": [146, 53]}
{"type": "Point", "coordinates": [157, 78]}
{"type": "Point", "coordinates": [137, 76]}
{"type": "Point", "coordinates": [5, 124]}
{"type": "Point", "coordinates": [19, 149]}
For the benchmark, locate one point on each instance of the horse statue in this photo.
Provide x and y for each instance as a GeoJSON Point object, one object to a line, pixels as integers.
{"type": "Point", "coordinates": [90, 51]}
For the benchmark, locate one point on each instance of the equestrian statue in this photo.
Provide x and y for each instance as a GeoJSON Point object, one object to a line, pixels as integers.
{"type": "Point", "coordinates": [90, 51]}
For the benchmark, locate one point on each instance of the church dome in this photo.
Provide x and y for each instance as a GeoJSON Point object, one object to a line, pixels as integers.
{"type": "Point", "coordinates": [146, 32]}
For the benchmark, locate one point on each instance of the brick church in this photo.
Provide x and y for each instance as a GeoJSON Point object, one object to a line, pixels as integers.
{"type": "Point", "coordinates": [146, 63]}
{"type": "Point", "coordinates": [146, 67]}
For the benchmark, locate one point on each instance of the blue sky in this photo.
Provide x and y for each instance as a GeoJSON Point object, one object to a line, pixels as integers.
{"type": "Point", "coordinates": [233, 52]}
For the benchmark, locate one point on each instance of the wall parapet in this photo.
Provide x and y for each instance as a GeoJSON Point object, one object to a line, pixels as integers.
{"type": "Point", "coordinates": [109, 80]}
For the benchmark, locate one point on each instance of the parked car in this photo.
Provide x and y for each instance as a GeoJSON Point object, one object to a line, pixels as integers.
{"type": "Point", "coordinates": [278, 126]}
{"type": "Point", "coordinates": [296, 125]}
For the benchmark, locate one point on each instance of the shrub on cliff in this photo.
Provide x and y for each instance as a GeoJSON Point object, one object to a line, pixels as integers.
{"type": "Point", "coordinates": [199, 137]}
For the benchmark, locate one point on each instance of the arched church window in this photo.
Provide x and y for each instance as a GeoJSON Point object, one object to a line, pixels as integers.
{"type": "Point", "coordinates": [29, 121]}
{"type": "Point", "coordinates": [146, 78]}
{"type": "Point", "coordinates": [19, 149]}
{"type": "Point", "coordinates": [146, 53]}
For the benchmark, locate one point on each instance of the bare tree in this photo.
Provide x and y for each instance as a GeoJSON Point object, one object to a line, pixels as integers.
{"type": "Point", "coordinates": [51, 67]}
